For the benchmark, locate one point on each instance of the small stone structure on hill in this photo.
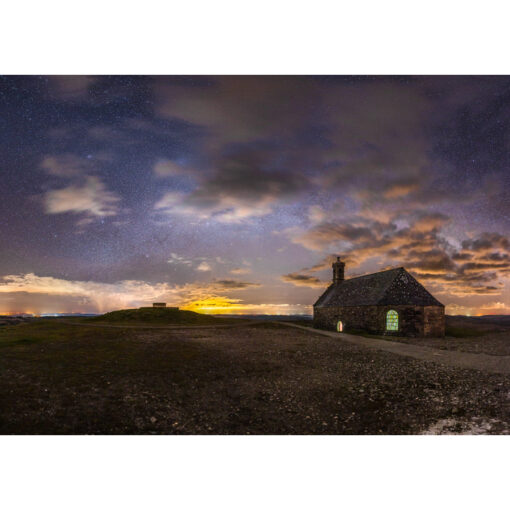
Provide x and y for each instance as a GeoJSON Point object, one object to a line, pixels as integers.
{"type": "Point", "coordinates": [386, 303]}
{"type": "Point", "coordinates": [163, 305]}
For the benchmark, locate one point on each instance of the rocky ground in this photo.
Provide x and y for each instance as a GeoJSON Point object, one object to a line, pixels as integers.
{"type": "Point", "coordinates": [255, 379]}
{"type": "Point", "coordinates": [495, 344]}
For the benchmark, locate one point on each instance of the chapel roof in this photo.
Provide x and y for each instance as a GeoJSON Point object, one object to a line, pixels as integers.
{"type": "Point", "coordinates": [391, 287]}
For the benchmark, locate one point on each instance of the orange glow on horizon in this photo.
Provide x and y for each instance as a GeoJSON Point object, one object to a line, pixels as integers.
{"type": "Point", "coordinates": [221, 306]}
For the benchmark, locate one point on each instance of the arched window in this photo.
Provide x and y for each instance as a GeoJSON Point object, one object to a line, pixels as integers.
{"type": "Point", "coordinates": [392, 321]}
{"type": "Point", "coordinates": [339, 326]}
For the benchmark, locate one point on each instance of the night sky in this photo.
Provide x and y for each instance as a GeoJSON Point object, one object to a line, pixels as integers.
{"type": "Point", "coordinates": [233, 194]}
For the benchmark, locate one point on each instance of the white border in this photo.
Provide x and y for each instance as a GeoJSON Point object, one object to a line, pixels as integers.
{"type": "Point", "coordinates": [253, 472]}
{"type": "Point", "coordinates": [264, 37]}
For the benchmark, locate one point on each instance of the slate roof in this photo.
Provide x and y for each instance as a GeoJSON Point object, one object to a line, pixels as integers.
{"type": "Point", "coordinates": [392, 287]}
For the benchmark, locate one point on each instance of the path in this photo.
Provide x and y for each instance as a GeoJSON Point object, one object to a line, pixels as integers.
{"type": "Point", "coordinates": [496, 364]}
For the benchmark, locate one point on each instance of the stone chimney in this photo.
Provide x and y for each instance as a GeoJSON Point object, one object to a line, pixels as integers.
{"type": "Point", "coordinates": [338, 271]}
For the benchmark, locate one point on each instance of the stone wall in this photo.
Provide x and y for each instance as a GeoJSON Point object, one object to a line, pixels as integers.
{"type": "Point", "coordinates": [434, 321]}
{"type": "Point", "coordinates": [412, 320]}
{"type": "Point", "coordinates": [353, 317]}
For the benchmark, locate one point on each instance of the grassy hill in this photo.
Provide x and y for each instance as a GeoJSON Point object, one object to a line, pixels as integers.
{"type": "Point", "coordinates": [159, 317]}
{"type": "Point", "coordinates": [461, 326]}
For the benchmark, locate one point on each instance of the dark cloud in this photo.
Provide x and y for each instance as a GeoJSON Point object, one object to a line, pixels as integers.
{"type": "Point", "coordinates": [485, 242]}
{"type": "Point", "coordinates": [71, 87]}
{"type": "Point", "coordinates": [269, 139]}
{"type": "Point", "coordinates": [232, 285]}
{"type": "Point", "coordinates": [243, 184]}
{"type": "Point", "coordinates": [362, 232]}
{"type": "Point", "coordinates": [240, 109]}
{"type": "Point", "coordinates": [303, 280]}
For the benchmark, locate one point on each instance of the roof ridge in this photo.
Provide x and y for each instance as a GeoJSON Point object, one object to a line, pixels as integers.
{"type": "Point", "coordinates": [388, 288]}
{"type": "Point", "coordinates": [390, 283]}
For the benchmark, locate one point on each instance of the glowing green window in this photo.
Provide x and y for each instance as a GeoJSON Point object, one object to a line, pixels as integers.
{"type": "Point", "coordinates": [392, 321]}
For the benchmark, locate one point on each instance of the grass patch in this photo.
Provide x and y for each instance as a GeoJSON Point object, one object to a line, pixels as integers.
{"type": "Point", "coordinates": [50, 330]}
{"type": "Point", "coordinates": [30, 333]}
{"type": "Point", "coordinates": [463, 332]}
{"type": "Point", "coordinates": [159, 317]}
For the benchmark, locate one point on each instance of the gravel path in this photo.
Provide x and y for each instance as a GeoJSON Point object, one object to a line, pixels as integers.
{"type": "Point", "coordinates": [495, 364]}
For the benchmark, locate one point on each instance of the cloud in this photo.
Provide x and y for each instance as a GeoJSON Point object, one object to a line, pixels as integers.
{"type": "Point", "coordinates": [316, 214]}
{"type": "Point", "coordinates": [168, 168]}
{"type": "Point", "coordinates": [360, 146]}
{"type": "Point", "coordinates": [101, 297]}
{"type": "Point", "coordinates": [325, 234]}
{"type": "Point", "coordinates": [178, 259]}
{"type": "Point", "coordinates": [426, 222]}
{"type": "Point", "coordinates": [71, 87]}
{"type": "Point", "coordinates": [240, 186]}
{"type": "Point", "coordinates": [325, 263]}
{"type": "Point", "coordinates": [303, 280]}
{"type": "Point", "coordinates": [492, 308]}
{"type": "Point", "coordinates": [240, 270]}
{"type": "Point", "coordinates": [400, 190]}
{"type": "Point", "coordinates": [198, 206]}
{"type": "Point", "coordinates": [237, 109]}
{"type": "Point", "coordinates": [260, 153]}
{"type": "Point", "coordinates": [66, 165]}
{"type": "Point", "coordinates": [92, 199]}
{"type": "Point", "coordinates": [485, 243]}
{"type": "Point", "coordinates": [204, 266]}
{"type": "Point", "coordinates": [474, 269]}
{"type": "Point", "coordinates": [233, 284]}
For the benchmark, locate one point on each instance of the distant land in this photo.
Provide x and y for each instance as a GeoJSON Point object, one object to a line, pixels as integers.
{"type": "Point", "coordinates": [50, 314]}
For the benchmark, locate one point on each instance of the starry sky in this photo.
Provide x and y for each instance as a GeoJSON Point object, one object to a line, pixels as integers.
{"type": "Point", "coordinates": [233, 194]}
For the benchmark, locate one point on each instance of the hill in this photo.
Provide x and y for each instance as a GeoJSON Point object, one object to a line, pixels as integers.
{"type": "Point", "coordinates": [159, 317]}
{"type": "Point", "coordinates": [464, 326]}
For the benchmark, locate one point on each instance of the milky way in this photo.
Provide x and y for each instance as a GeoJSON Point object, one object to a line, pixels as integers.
{"type": "Point", "coordinates": [233, 194]}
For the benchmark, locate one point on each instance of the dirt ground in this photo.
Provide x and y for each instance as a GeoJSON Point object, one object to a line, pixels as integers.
{"type": "Point", "coordinates": [255, 379]}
